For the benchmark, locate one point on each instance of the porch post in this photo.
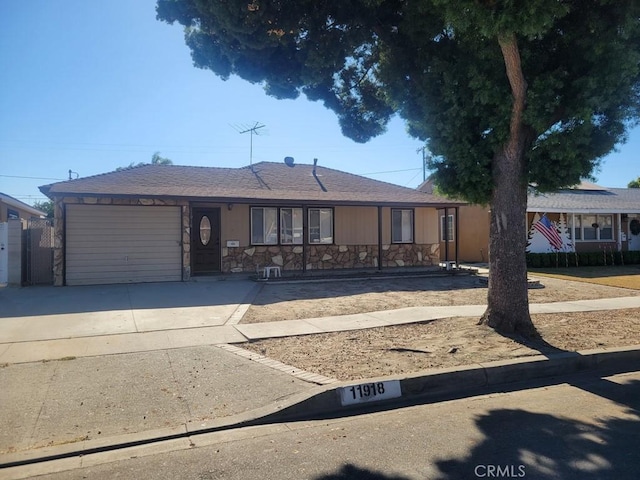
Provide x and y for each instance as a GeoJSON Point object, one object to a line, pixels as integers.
{"type": "Point", "coordinates": [618, 231]}
{"type": "Point", "coordinates": [445, 235]}
{"type": "Point", "coordinates": [456, 234]}
{"type": "Point", "coordinates": [379, 237]}
{"type": "Point", "coordinates": [305, 237]}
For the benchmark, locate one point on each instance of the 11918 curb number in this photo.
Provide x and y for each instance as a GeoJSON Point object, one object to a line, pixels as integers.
{"type": "Point", "coordinates": [370, 392]}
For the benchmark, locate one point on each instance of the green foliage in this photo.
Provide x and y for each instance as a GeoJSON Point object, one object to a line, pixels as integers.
{"type": "Point", "coordinates": [156, 159]}
{"type": "Point", "coordinates": [438, 64]}
{"type": "Point", "coordinates": [634, 183]}
{"type": "Point", "coordinates": [583, 259]}
{"type": "Point", "coordinates": [46, 207]}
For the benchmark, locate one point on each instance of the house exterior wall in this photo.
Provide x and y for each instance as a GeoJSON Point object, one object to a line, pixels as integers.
{"type": "Point", "coordinates": [473, 237]}
{"type": "Point", "coordinates": [585, 245]}
{"type": "Point", "coordinates": [355, 236]}
{"type": "Point", "coordinates": [356, 243]}
{"type": "Point", "coordinates": [4, 212]}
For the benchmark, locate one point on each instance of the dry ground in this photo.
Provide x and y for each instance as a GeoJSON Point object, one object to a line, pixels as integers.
{"type": "Point", "coordinates": [434, 344]}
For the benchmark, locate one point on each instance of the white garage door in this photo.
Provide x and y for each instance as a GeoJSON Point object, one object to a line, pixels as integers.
{"type": "Point", "coordinates": [122, 244]}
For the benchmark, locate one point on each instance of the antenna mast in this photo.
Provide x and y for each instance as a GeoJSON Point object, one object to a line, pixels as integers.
{"type": "Point", "coordinates": [251, 131]}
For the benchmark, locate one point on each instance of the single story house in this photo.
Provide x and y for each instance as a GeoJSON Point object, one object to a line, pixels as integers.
{"type": "Point", "coordinates": [13, 209]}
{"type": "Point", "coordinates": [166, 222]}
{"type": "Point", "coordinates": [15, 217]}
{"type": "Point", "coordinates": [585, 218]}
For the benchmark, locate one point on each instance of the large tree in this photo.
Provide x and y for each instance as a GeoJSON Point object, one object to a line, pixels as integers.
{"type": "Point", "coordinates": [634, 183]}
{"type": "Point", "coordinates": [506, 93]}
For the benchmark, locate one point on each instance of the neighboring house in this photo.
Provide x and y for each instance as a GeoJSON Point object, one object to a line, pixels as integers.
{"type": "Point", "coordinates": [13, 209]}
{"type": "Point", "coordinates": [14, 216]}
{"type": "Point", "coordinates": [167, 223]}
{"type": "Point", "coordinates": [587, 218]}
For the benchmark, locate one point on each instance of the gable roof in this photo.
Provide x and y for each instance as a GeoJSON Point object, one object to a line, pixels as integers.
{"type": "Point", "coordinates": [605, 200]}
{"type": "Point", "coordinates": [265, 181]}
{"type": "Point", "coordinates": [15, 203]}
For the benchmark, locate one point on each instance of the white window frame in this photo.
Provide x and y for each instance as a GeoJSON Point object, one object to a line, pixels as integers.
{"type": "Point", "coordinates": [269, 232]}
{"type": "Point", "coordinates": [322, 232]}
{"type": "Point", "coordinates": [406, 231]}
{"type": "Point", "coordinates": [578, 223]}
{"type": "Point", "coordinates": [451, 228]}
{"type": "Point", "coordinates": [296, 236]}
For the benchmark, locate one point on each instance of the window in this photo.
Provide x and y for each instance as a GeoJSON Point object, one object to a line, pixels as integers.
{"type": "Point", "coordinates": [291, 226]}
{"type": "Point", "coordinates": [264, 225]}
{"type": "Point", "coordinates": [401, 226]}
{"type": "Point", "coordinates": [12, 214]}
{"type": "Point", "coordinates": [447, 227]}
{"type": "Point", "coordinates": [320, 225]}
{"type": "Point", "coordinates": [593, 227]}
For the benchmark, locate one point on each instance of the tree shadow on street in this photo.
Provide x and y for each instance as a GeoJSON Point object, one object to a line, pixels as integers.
{"type": "Point", "coordinates": [531, 445]}
{"type": "Point", "coordinates": [353, 472]}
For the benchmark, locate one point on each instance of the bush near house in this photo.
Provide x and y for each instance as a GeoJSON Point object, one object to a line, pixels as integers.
{"type": "Point", "coordinates": [582, 259]}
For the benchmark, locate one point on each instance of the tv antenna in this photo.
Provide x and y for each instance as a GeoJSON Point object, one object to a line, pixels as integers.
{"type": "Point", "coordinates": [241, 129]}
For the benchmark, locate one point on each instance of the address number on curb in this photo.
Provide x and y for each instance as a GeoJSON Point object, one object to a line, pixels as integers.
{"type": "Point", "coordinates": [369, 392]}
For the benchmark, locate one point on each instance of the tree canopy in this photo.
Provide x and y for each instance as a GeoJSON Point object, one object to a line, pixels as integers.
{"type": "Point", "coordinates": [506, 93]}
{"type": "Point", "coordinates": [438, 64]}
{"type": "Point", "coordinates": [156, 159]}
{"type": "Point", "coordinates": [634, 183]}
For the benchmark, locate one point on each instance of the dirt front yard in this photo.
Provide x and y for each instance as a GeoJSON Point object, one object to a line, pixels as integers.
{"type": "Point", "coordinates": [434, 344]}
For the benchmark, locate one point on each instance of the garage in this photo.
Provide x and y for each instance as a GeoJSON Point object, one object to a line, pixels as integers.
{"type": "Point", "coordinates": [122, 244]}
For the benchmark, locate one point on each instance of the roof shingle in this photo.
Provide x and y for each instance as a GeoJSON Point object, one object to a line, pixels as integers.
{"type": "Point", "coordinates": [266, 181]}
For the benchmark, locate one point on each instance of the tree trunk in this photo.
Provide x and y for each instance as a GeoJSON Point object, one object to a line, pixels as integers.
{"type": "Point", "coordinates": [508, 298]}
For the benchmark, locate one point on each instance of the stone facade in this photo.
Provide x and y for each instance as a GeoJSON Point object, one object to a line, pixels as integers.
{"type": "Point", "coordinates": [328, 257]}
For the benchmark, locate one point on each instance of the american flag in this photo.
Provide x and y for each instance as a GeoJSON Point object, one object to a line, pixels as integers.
{"type": "Point", "coordinates": [548, 229]}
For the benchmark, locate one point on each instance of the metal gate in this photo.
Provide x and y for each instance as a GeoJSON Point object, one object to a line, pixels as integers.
{"type": "Point", "coordinates": [39, 252]}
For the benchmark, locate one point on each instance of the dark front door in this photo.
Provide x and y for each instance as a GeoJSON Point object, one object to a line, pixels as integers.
{"type": "Point", "coordinates": [205, 240]}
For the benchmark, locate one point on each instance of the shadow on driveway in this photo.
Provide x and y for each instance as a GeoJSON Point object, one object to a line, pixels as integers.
{"type": "Point", "coordinates": [36, 301]}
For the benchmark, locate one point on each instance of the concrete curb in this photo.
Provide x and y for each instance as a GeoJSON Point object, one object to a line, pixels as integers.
{"type": "Point", "coordinates": [325, 401]}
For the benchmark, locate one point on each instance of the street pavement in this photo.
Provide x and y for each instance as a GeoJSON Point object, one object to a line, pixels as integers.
{"type": "Point", "coordinates": [84, 368]}
{"type": "Point", "coordinates": [586, 428]}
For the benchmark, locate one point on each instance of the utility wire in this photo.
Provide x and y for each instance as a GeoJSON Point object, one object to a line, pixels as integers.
{"type": "Point", "coordinates": [32, 178]}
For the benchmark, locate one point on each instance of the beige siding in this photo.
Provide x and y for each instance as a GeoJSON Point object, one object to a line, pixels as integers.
{"type": "Point", "coordinates": [426, 225]}
{"type": "Point", "coordinates": [234, 224]}
{"type": "Point", "coordinates": [122, 244]}
{"type": "Point", "coordinates": [356, 225]}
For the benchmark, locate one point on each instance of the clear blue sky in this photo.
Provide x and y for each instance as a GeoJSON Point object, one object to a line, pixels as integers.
{"type": "Point", "coordinates": [90, 86]}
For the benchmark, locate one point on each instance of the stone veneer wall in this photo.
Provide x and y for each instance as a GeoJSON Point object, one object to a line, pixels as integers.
{"type": "Point", "coordinates": [327, 257]}
{"type": "Point", "coordinates": [58, 226]}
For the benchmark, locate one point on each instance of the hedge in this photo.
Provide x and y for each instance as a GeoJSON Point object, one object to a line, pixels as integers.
{"type": "Point", "coordinates": [582, 259]}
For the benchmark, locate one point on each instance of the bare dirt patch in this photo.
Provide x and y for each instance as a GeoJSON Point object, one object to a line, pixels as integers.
{"type": "Point", "coordinates": [439, 343]}
{"type": "Point", "coordinates": [277, 302]}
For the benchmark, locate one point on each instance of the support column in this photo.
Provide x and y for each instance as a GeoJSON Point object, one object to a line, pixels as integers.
{"type": "Point", "coordinates": [379, 238]}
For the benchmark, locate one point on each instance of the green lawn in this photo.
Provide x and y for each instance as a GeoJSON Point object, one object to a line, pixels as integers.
{"type": "Point", "coordinates": [614, 276]}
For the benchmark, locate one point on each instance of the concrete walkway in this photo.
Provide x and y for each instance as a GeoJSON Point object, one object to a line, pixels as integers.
{"type": "Point", "coordinates": [85, 367]}
{"type": "Point", "coordinates": [30, 339]}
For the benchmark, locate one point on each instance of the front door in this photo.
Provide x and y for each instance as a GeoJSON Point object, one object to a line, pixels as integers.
{"type": "Point", "coordinates": [205, 240]}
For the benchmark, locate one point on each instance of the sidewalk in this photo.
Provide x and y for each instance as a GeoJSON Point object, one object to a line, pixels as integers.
{"type": "Point", "coordinates": [128, 373]}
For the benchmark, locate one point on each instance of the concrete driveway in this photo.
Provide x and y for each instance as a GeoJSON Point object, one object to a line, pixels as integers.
{"type": "Point", "coordinates": [49, 313]}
